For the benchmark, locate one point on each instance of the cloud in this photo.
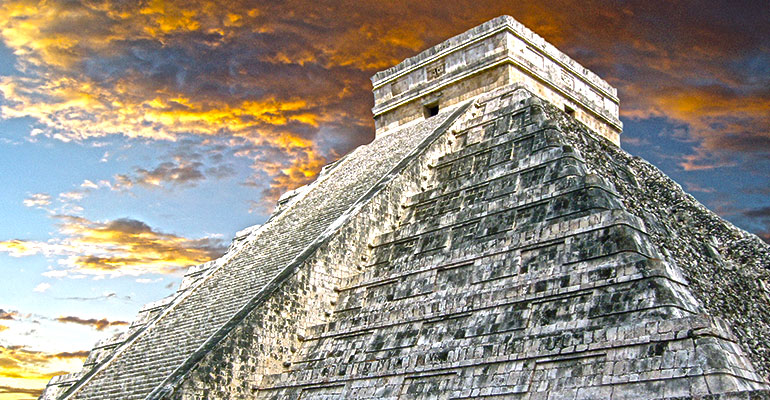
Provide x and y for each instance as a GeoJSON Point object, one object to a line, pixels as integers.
{"type": "Point", "coordinates": [87, 184]}
{"type": "Point", "coordinates": [8, 315]}
{"type": "Point", "coordinates": [758, 190]}
{"type": "Point", "coordinates": [106, 296]}
{"type": "Point", "coordinates": [74, 195]}
{"type": "Point", "coordinates": [176, 174]}
{"type": "Point", "coordinates": [147, 280]}
{"type": "Point", "coordinates": [115, 248]}
{"type": "Point", "coordinates": [165, 72]}
{"type": "Point", "coordinates": [26, 372]}
{"type": "Point", "coordinates": [20, 390]}
{"type": "Point", "coordinates": [80, 355]}
{"type": "Point", "coordinates": [694, 187]}
{"type": "Point", "coordinates": [186, 164]}
{"type": "Point", "coordinates": [98, 324]}
{"type": "Point", "coordinates": [760, 217]}
{"type": "Point", "coordinates": [42, 287]}
{"type": "Point", "coordinates": [273, 79]}
{"type": "Point", "coordinates": [763, 213]}
{"type": "Point", "coordinates": [277, 76]}
{"type": "Point", "coordinates": [38, 200]}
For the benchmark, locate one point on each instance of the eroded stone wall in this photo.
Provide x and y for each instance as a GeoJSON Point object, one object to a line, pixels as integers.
{"type": "Point", "coordinates": [727, 268]}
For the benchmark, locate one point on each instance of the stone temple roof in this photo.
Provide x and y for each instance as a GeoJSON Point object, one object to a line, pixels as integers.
{"type": "Point", "coordinates": [499, 249]}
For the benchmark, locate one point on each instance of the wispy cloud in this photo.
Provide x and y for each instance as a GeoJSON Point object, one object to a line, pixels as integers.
{"type": "Point", "coordinates": [103, 297]}
{"type": "Point", "coordinates": [762, 213]}
{"type": "Point", "coordinates": [98, 324]}
{"type": "Point", "coordinates": [38, 200]}
{"type": "Point", "coordinates": [23, 248]}
{"type": "Point", "coordinates": [171, 174]}
{"type": "Point", "coordinates": [12, 390]}
{"type": "Point", "coordinates": [694, 187]}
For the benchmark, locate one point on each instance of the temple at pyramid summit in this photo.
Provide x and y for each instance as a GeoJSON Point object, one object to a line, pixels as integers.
{"type": "Point", "coordinates": [493, 241]}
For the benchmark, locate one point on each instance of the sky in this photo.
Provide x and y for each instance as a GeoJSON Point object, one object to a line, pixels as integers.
{"type": "Point", "coordinates": [137, 137]}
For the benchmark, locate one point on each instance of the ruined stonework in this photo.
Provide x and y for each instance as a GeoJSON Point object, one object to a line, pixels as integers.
{"type": "Point", "coordinates": [492, 55]}
{"type": "Point", "coordinates": [498, 249]}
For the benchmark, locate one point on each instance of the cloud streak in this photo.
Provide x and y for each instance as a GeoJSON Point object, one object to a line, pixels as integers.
{"type": "Point", "coordinates": [38, 200]}
{"type": "Point", "coordinates": [98, 324]}
{"type": "Point", "coordinates": [8, 315]}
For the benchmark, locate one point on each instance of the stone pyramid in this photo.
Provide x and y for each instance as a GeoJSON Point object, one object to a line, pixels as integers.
{"type": "Point", "coordinates": [493, 241]}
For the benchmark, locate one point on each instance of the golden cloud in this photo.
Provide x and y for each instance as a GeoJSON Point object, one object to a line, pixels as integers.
{"type": "Point", "coordinates": [12, 392]}
{"type": "Point", "coordinates": [26, 372]}
{"type": "Point", "coordinates": [128, 69]}
{"type": "Point", "coordinates": [118, 247]}
{"type": "Point", "coordinates": [22, 248]}
{"type": "Point", "coordinates": [98, 324]}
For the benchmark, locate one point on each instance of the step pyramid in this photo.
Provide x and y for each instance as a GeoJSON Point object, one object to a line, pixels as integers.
{"type": "Point", "coordinates": [499, 247]}
{"type": "Point", "coordinates": [517, 271]}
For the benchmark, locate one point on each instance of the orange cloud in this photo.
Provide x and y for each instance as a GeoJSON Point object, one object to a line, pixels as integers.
{"type": "Point", "coordinates": [98, 324]}
{"type": "Point", "coordinates": [717, 119]}
{"type": "Point", "coordinates": [304, 167]}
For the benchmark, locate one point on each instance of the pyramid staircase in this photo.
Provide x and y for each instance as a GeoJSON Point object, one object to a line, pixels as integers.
{"type": "Point", "coordinates": [515, 272]}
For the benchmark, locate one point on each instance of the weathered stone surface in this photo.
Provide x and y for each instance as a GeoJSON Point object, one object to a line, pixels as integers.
{"type": "Point", "coordinates": [500, 249]}
{"type": "Point", "coordinates": [518, 271]}
{"type": "Point", "coordinates": [494, 54]}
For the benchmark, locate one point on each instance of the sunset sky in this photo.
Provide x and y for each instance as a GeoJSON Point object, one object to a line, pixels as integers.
{"type": "Point", "coordinates": [136, 137]}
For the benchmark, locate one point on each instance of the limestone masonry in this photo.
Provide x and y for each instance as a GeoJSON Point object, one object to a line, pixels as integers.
{"type": "Point", "coordinates": [493, 241]}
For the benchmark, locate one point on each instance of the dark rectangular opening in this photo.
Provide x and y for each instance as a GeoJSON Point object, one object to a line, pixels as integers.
{"type": "Point", "coordinates": [569, 110]}
{"type": "Point", "coordinates": [431, 110]}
